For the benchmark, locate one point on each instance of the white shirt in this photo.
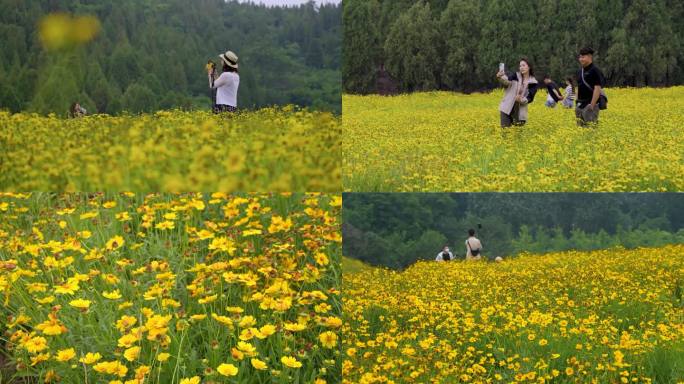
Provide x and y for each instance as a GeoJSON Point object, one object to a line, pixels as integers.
{"type": "Point", "coordinates": [226, 88]}
{"type": "Point", "coordinates": [474, 243]}
{"type": "Point", "coordinates": [440, 258]}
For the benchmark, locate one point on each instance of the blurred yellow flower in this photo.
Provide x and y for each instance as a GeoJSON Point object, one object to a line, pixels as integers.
{"type": "Point", "coordinates": [65, 354]}
{"type": "Point", "coordinates": [227, 369]}
{"type": "Point", "coordinates": [290, 361]}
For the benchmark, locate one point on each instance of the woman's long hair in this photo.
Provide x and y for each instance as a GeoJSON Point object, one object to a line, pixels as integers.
{"type": "Point", "coordinates": [531, 71]}
{"type": "Point", "coordinates": [72, 110]}
{"type": "Point", "coordinates": [227, 68]}
{"type": "Point", "coordinates": [569, 80]}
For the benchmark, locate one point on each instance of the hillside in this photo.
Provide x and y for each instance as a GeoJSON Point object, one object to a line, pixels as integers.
{"type": "Point", "coordinates": [604, 316]}
{"type": "Point", "coordinates": [151, 55]}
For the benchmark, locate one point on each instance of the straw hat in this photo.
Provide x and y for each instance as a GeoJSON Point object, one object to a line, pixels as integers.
{"type": "Point", "coordinates": [230, 59]}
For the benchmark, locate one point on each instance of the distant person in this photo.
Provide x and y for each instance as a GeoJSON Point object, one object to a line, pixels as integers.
{"type": "Point", "coordinates": [211, 74]}
{"type": "Point", "coordinates": [569, 100]}
{"type": "Point", "coordinates": [76, 110]}
{"type": "Point", "coordinates": [445, 255]}
{"type": "Point", "coordinates": [590, 82]}
{"type": "Point", "coordinates": [553, 90]}
{"type": "Point", "coordinates": [473, 246]}
{"type": "Point", "coordinates": [227, 84]}
{"type": "Point", "coordinates": [520, 90]}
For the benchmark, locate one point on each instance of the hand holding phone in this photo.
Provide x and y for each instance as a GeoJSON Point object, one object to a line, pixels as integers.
{"type": "Point", "coordinates": [501, 72]}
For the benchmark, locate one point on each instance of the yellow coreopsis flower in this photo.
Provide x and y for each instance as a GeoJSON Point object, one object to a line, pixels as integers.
{"type": "Point", "coordinates": [227, 369]}
{"type": "Point", "coordinates": [90, 358]}
{"type": "Point", "coordinates": [290, 361]}
{"type": "Point", "coordinates": [328, 339]}
{"type": "Point", "coordinates": [162, 357]}
{"type": "Point", "coordinates": [65, 355]}
{"type": "Point", "coordinates": [258, 364]}
{"type": "Point", "coordinates": [80, 303]}
{"type": "Point", "coordinates": [113, 295]}
{"type": "Point", "coordinates": [131, 354]}
{"type": "Point", "coordinates": [114, 243]}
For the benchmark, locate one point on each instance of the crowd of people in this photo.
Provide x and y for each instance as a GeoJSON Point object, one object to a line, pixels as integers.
{"type": "Point", "coordinates": [522, 86]}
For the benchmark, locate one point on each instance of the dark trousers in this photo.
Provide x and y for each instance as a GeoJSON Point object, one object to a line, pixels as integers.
{"type": "Point", "coordinates": [512, 119]}
{"type": "Point", "coordinates": [220, 108]}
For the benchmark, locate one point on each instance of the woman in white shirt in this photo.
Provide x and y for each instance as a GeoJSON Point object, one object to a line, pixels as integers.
{"type": "Point", "coordinates": [473, 246]}
{"type": "Point", "coordinates": [227, 84]}
{"type": "Point", "coordinates": [445, 255]}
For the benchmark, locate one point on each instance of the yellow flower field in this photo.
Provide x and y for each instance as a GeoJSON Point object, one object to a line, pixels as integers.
{"type": "Point", "coordinates": [167, 289]}
{"type": "Point", "coordinates": [452, 142]}
{"type": "Point", "coordinates": [609, 316]}
{"type": "Point", "coordinates": [268, 150]}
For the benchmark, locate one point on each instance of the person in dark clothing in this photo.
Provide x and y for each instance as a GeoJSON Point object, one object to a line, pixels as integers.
{"type": "Point", "coordinates": [590, 82]}
{"type": "Point", "coordinates": [553, 91]}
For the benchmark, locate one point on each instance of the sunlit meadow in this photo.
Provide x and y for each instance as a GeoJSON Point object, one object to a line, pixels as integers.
{"type": "Point", "coordinates": [164, 288]}
{"type": "Point", "coordinates": [608, 316]}
{"type": "Point", "coordinates": [275, 149]}
{"type": "Point", "coordinates": [442, 141]}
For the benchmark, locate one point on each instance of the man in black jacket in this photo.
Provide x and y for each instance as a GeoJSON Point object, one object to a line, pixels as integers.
{"type": "Point", "coordinates": [591, 82]}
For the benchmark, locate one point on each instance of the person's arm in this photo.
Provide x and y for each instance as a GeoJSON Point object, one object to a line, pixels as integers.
{"type": "Point", "coordinates": [531, 91]}
{"type": "Point", "coordinates": [557, 91]}
{"type": "Point", "coordinates": [503, 79]}
{"type": "Point", "coordinates": [595, 96]}
{"type": "Point", "coordinates": [221, 81]}
{"type": "Point", "coordinates": [439, 257]}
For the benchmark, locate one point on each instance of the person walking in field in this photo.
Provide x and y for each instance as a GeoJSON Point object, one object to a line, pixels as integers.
{"type": "Point", "coordinates": [227, 84]}
{"type": "Point", "coordinates": [590, 96]}
{"type": "Point", "coordinates": [520, 90]}
{"type": "Point", "coordinates": [445, 255]}
{"type": "Point", "coordinates": [473, 246]}
{"type": "Point", "coordinates": [553, 90]}
{"type": "Point", "coordinates": [569, 100]}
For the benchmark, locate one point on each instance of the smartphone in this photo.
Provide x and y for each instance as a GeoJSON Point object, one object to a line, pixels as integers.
{"type": "Point", "coordinates": [501, 67]}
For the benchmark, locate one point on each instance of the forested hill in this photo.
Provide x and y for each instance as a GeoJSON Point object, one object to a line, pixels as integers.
{"type": "Point", "coordinates": [397, 229]}
{"type": "Point", "coordinates": [458, 44]}
{"type": "Point", "coordinates": [151, 54]}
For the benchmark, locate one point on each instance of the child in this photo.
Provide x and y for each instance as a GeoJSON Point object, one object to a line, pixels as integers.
{"type": "Point", "coordinates": [569, 93]}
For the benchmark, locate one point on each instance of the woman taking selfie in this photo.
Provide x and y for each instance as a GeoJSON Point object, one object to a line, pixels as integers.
{"type": "Point", "coordinates": [520, 90]}
{"type": "Point", "coordinates": [227, 84]}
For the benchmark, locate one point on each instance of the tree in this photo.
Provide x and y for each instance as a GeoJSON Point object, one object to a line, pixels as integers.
{"type": "Point", "coordinates": [411, 49]}
{"type": "Point", "coordinates": [138, 98]}
{"type": "Point", "coordinates": [57, 89]}
{"type": "Point", "coordinates": [460, 28]}
{"type": "Point", "coordinates": [362, 48]}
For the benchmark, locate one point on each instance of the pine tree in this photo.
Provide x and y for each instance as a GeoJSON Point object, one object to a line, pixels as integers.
{"type": "Point", "coordinates": [460, 28]}
{"type": "Point", "coordinates": [411, 49]}
{"type": "Point", "coordinates": [362, 48]}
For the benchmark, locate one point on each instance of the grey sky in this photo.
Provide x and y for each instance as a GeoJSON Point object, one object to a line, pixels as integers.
{"type": "Point", "coordinates": [291, 2]}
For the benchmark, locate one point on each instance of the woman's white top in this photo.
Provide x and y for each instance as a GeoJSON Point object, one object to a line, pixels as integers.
{"type": "Point", "coordinates": [227, 88]}
{"type": "Point", "coordinates": [441, 258]}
